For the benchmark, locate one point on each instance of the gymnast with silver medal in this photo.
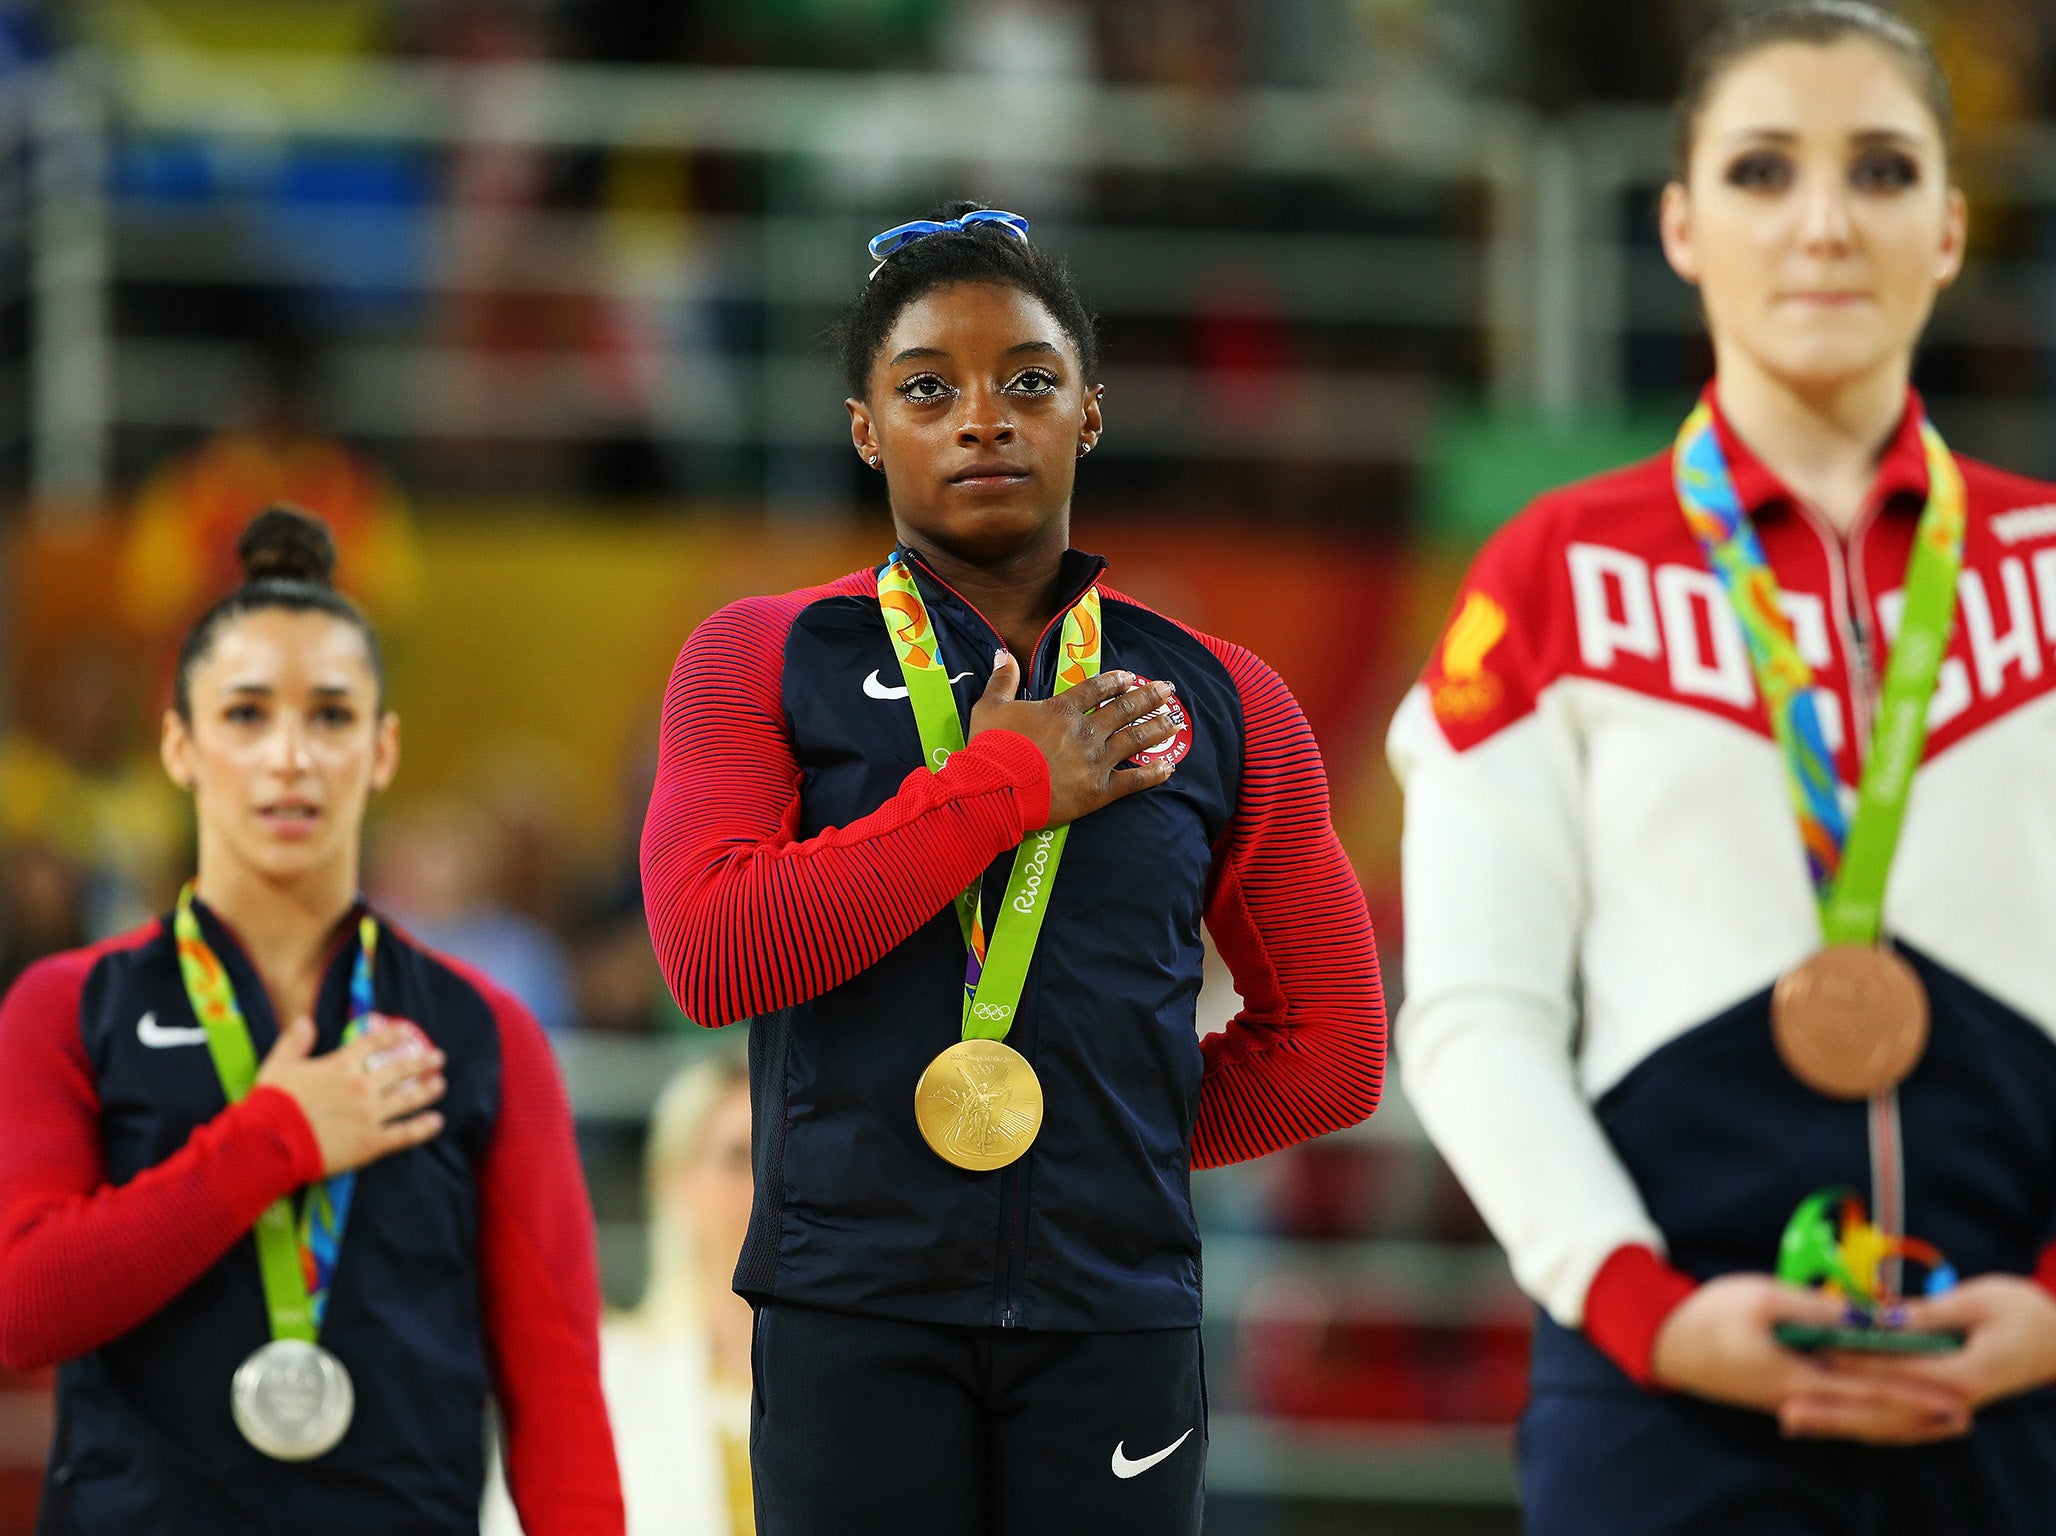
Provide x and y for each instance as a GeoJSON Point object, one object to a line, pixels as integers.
{"type": "Point", "coordinates": [292, 1399]}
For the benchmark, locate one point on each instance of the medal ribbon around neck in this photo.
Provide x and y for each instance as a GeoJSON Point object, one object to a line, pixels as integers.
{"type": "Point", "coordinates": [1849, 857]}
{"type": "Point", "coordinates": [297, 1259]}
{"type": "Point", "coordinates": [995, 969]}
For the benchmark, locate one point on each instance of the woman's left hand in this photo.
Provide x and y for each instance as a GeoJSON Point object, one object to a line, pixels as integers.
{"type": "Point", "coordinates": [2009, 1344]}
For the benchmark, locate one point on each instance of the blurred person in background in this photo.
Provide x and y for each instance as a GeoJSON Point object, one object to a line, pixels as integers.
{"type": "Point", "coordinates": [438, 866]}
{"type": "Point", "coordinates": [677, 1368]}
{"type": "Point", "coordinates": [42, 906]}
{"type": "Point", "coordinates": [1029, 50]}
{"type": "Point", "coordinates": [522, 782]}
{"type": "Point", "coordinates": [180, 550]}
{"type": "Point", "coordinates": [273, 1062]}
{"type": "Point", "coordinates": [1658, 988]}
{"type": "Point", "coordinates": [828, 851]}
{"type": "Point", "coordinates": [620, 987]}
{"type": "Point", "coordinates": [72, 784]}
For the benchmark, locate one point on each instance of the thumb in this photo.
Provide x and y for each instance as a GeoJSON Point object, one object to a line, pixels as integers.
{"type": "Point", "coordinates": [1793, 1304]}
{"type": "Point", "coordinates": [1006, 677]}
{"type": "Point", "coordinates": [295, 1042]}
{"type": "Point", "coordinates": [1950, 1312]}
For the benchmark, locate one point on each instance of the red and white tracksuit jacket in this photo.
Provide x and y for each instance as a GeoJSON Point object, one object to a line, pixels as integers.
{"type": "Point", "coordinates": [1604, 878]}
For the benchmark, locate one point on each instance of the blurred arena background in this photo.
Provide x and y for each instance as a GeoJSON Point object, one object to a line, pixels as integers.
{"type": "Point", "coordinates": [527, 298]}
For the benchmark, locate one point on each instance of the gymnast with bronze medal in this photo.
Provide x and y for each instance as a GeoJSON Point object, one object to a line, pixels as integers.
{"type": "Point", "coordinates": [272, 1061]}
{"type": "Point", "coordinates": [1728, 872]}
{"type": "Point", "coordinates": [947, 831]}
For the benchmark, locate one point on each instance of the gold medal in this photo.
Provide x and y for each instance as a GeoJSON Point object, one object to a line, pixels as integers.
{"type": "Point", "coordinates": [979, 1105]}
{"type": "Point", "coordinates": [1852, 1022]}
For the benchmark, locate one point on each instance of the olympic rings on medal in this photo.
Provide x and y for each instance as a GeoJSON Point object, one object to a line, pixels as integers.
{"type": "Point", "coordinates": [992, 1013]}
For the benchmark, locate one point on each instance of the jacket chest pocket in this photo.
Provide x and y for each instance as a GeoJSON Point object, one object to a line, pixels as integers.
{"type": "Point", "coordinates": [420, 1207]}
{"type": "Point", "coordinates": [152, 1099]}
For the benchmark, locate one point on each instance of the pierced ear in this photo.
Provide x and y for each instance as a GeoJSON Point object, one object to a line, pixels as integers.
{"type": "Point", "coordinates": [864, 433]}
{"type": "Point", "coordinates": [1095, 420]}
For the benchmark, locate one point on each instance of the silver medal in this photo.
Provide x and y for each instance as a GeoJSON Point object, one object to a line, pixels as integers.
{"type": "Point", "coordinates": [292, 1400]}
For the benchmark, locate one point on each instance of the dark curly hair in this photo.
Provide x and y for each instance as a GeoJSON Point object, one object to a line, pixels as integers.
{"type": "Point", "coordinates": [1820, 23]}
{"type": "Point", "coordinates": [980, 254]}
{"type": "Point", "coordinates": [289, 562]}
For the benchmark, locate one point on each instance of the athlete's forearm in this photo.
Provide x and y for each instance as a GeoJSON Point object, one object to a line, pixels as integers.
{"type": "Point", "coordinates": [82, 1265]}
{"type": "Point", "coordinates": [1307, 1054]}
{"type": "Point", "coordinates": [744, 922]}
{"type": "Point", "coordinates": [539, 1277]}
{"type": "Point", "coordinates": [1492, 1080]}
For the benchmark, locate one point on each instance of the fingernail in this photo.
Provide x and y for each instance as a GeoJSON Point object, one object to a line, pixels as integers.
{"type": "Point", "coordinates": [999, 656]}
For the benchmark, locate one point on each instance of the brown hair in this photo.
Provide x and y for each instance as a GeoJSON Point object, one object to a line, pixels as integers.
{"type": "Point", "coordinates": [289, 561]}
{"type": "Point", "coordinates": [1820, 23]}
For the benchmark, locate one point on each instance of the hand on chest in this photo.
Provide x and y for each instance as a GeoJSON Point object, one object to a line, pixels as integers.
{"type": "Point", "coordinates": [856, 737]}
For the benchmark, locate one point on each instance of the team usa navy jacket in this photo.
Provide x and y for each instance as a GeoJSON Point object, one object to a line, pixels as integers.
{"type": "Point", "coordinates": [799, 866]}
{"type": "Point", "coordinates": [1594, 801]}
{"type": "Point", "coordinates": [128, 1189]}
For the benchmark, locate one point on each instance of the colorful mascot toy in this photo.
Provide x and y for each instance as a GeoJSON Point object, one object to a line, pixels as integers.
{"type": "Point", "coordinates": [1830, 1242]}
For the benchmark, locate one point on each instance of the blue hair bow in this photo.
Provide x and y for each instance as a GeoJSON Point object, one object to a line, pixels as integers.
{"type": "Point", "coordinates": [884, 245]}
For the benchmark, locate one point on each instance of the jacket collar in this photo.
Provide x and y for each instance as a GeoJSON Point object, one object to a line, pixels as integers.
{"type": "Point", "coordinates": [1902, 476]}
{"type": "Point", "coordinates": [1075, 573]}
{"type": "Point", "coordinates": [251, 995]}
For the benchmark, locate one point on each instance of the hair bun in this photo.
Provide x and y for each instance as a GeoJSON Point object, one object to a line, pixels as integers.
{"type": "Point", "coordinates": [286, 544]}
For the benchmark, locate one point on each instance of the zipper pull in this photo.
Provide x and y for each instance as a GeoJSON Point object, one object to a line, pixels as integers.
{"type": "Point", "coordinates": [1859, 634]}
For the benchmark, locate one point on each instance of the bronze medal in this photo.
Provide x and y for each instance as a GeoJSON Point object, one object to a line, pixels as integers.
{"type": "Point", "coordinates": [1851, 1022]}
{"type": "Point", "coordinates": [979, 1105]}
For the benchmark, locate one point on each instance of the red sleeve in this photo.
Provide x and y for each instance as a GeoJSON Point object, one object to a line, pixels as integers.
{"type": "Point", "coordinates": [2045, 1269]}
{"type": "Point", "coordinates": [1307, 1053]}
{"type": "Point", "coordinates": [82, 1261]}
{"type": "Point", "coordinates": [540, 1275]}
{"type": "Point", "coordinates": [1627, 1303]}
{"type": "Point", "coordinates": [746, 918]}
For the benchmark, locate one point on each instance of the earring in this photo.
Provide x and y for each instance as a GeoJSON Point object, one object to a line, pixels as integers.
{"type": "Point", "coordinates": [874, 461]}
{"type": "Point", "coordinates": [1084, 449]}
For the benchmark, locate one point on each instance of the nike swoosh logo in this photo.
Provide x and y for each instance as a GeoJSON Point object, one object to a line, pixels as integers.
{"type": "Point", "coordinates": [1123, 1467]}
{"type": "Point", "coordinates": [158, 1036]}
{"type": "Point", "coordinates": [877, 690]}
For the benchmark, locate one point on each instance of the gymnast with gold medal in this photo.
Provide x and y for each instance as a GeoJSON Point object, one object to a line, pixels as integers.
{"type": "Point", "coordinates": [947, 831]}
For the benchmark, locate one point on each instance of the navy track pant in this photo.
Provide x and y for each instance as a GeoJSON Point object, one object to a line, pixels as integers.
{"type": "Point", "coordinates": [866, 1424]}
{"type": "Point", "coordinates": [1602, 1457]}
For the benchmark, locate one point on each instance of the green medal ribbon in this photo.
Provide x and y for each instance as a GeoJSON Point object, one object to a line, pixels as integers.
{"type": "Point", "coordinates": [295, 1257]}
{"type": "Point", "coordinates": [1850, 856]}
{"type": "Point", "coordinates": [996, 971]}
